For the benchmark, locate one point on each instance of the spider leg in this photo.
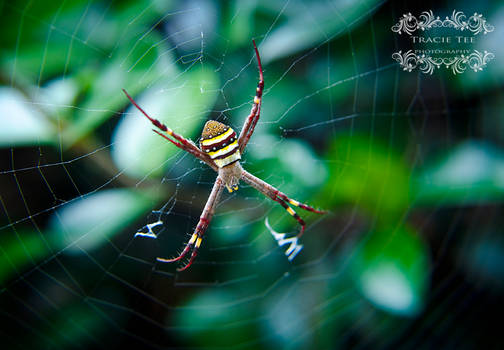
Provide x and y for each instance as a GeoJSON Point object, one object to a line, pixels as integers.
{"type": "Point", "coordinates": [181, 146]}
{"type": "Point", "coordinates": [291, 212]}
{"type": "Point", "coordinates": [298, 204]}
{"type": "Point", "coordinates": [184, 252]}
{"type": "Point", "coordinates": [205, 218]}
{"type": "Point", "coordinates": [280, 198]}
{"type": "Point", "coordinates": [255, 112]}
{"type": "Point", "coordinates": [182, 143]}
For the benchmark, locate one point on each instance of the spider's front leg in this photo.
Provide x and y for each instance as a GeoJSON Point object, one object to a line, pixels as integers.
{"type": "Point", "coordinates": [255, 112]}
{"type": "Point", "coordinates": [181, 142]}
{"type": "Point", "coordinates": [195, 241]}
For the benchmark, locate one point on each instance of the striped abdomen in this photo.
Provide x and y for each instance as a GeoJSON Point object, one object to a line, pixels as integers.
{"type": "Point", "coordinates": [220, 142]}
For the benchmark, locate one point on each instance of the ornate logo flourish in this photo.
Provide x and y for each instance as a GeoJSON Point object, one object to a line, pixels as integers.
{"type": "Point", "coordinates": [458, 20]}
{"type": "Point", "coordinates": [476, 61]}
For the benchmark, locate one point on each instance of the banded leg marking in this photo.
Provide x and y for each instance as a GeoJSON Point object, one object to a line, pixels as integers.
{"type": "Point", "coordinates": [182, 143]}
{"type": "Point", "coordinates": [299, 204]}
{"type": "Point", "coordinates": [197, 237]}
{"type": "Point", "coordinates": [255, 112]}
{"type": "Point", "coordinates": [279, 197]}
{"type": "Point", "coordinates": [184, 252]}
{"type": "Point", "coordinates": [293, 214]}
{"type": "Point", "coordinates": [194, 244]}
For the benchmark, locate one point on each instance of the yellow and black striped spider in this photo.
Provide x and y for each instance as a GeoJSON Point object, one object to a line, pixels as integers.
{"type": "Point", "coordinates": [221, 150]}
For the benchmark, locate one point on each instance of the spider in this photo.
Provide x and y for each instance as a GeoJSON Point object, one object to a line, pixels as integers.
{"type": "Point", "coordinates": [221, 149]}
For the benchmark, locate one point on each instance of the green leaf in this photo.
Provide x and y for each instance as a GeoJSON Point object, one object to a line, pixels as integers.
{"type": "Point", "coordinates": [212, 319]}
{"type": "Point", "coordinates": [366, 173]}
{"type": "Point", "coordinates": [311, 24]}
{"type": "Point", "coordinates": [239, 25]}
{"type": "Point", "coordinates": [470, 173]}
{"type": "Point", "coordinates": [391, 270]}
{"type": "Point", "coordinates": [182, 105]}
{"type": "Point", "coordinates": [135, 65]}
{"type": "Point", "coordinates": [57, 98]}
{"type": "Point", "coordinates": [37, 61]}
{"type": "Point", "coordinates": [17, 253]}
{"type": "Point", "coordinates": [283, 160]}
{"type": "Point", "coordinates": [22, 123]}
{"type": "Point", "coordinates": [90, 221]}
{"type": "Point", "coordinates": [65, 37]}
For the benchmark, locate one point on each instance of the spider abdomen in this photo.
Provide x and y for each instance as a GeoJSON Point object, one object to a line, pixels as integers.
{"type": "Point", "coordinates": [220, 142]}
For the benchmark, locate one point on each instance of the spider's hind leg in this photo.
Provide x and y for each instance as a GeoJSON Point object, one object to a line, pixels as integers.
{"type": "Point", "coordinates": [299, 204]}
{"type": "Point", "coordinates": [193, 243]}
{"type": "Point", "coordinates": [280, 198]}
{"type": "Point", "coordinates": [196, 238]}
{"type": "Point", "coordinates": [292, 213]}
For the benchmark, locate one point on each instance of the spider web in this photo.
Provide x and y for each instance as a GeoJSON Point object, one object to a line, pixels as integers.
{"type": "Point", "coordinates": [407, 164]}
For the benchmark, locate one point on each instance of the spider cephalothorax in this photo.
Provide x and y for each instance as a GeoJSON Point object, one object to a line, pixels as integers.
{"type": "Point", "coordinates": [219, 141]}
{"type": "Point", "coordinates": [221, 150]}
